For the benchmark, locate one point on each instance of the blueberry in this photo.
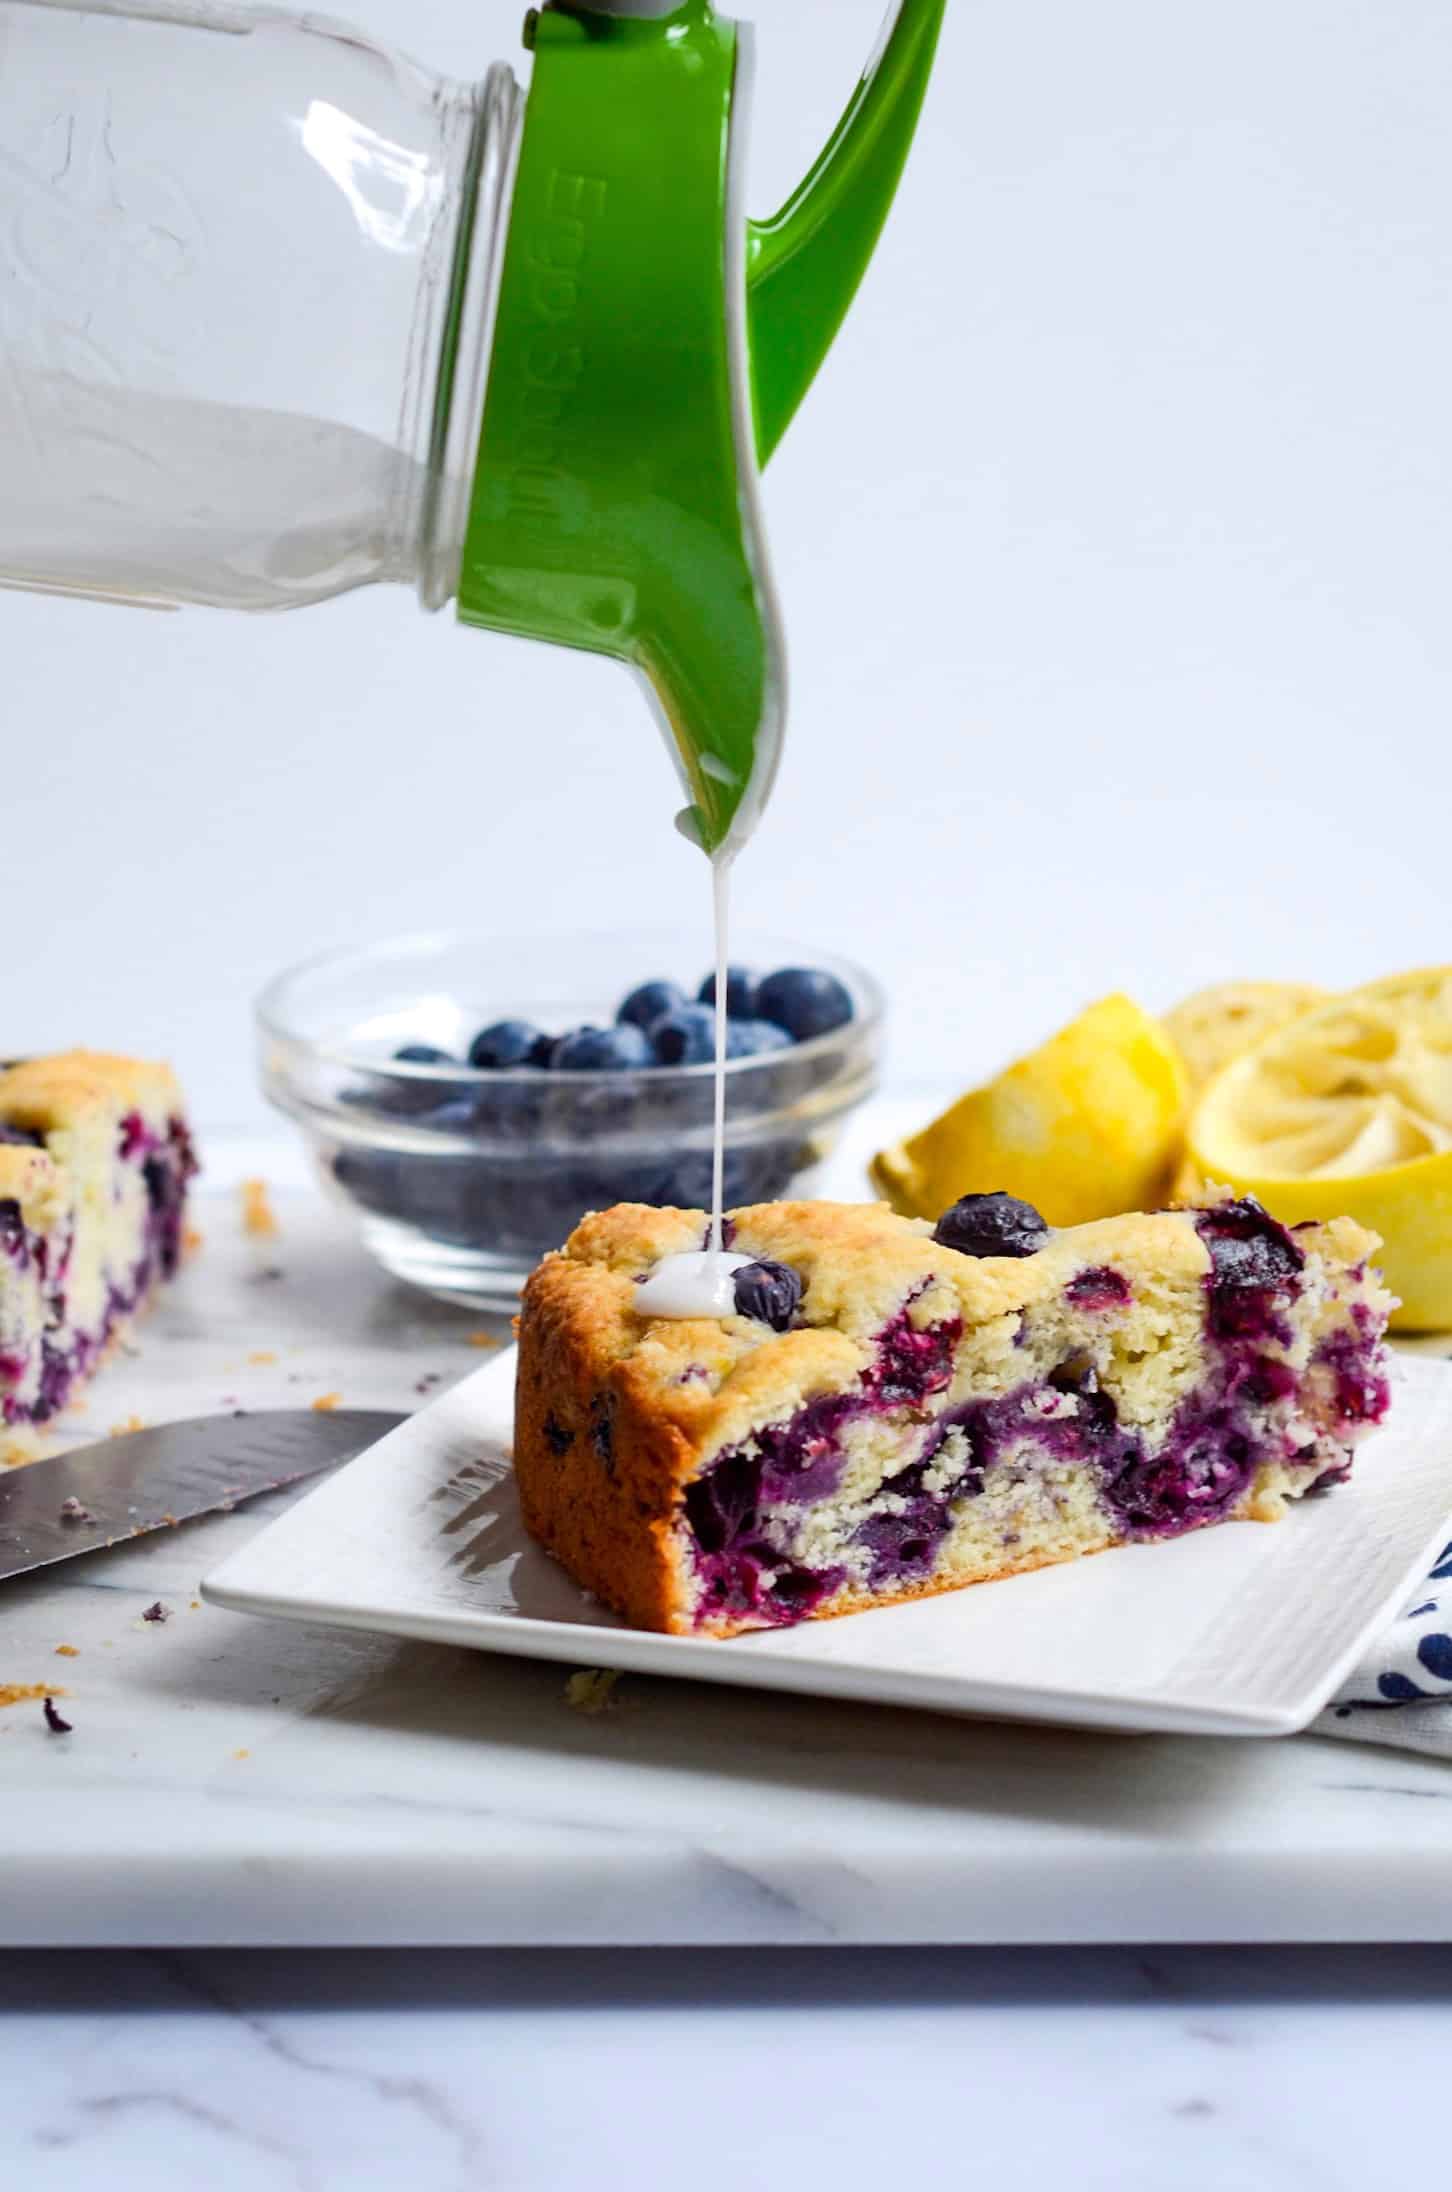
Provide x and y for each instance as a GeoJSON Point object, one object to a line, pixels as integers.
{"type": "Point", "coordinates": [405, 1095]}
{"type": "Point", "coordinates": [1248, 1248]}
{"type": "Point", "coordinates": [458, 1116]}
{"type": "Point", "coordinates": [754, 1038]}
{"type": "Point", "coordinates": [741, 988]}
{"type": "Point", "coordinates": [685, 1037]}
{"type": "Point", "coordinates": [769, 1293]}
{"type": "Point", "coordinates": [508, 1043]}
{"type": "Point", "coordinates": [992, 1225]}
{"type": "Point", "coordinates": [22, 1136]}
{"type": "Point", "coordinates": [648, 1003]}
{"type": "Point", "coordinates": [622, 1049]}
{"type": "Point", "coordinates": [423, 1054]}
{"type": "Point", "coordinates": [805, 1001]}
{"type": "Point", "coordinates": [542, 1050]}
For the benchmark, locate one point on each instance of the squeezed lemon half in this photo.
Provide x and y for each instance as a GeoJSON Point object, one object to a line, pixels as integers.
{"type": "Point", "coordinates": [1216, 1024]}
{"type": "Point", "coordinates": [1085, 1127]}
{"type": "Point", "coordinates": [1348, 1110]}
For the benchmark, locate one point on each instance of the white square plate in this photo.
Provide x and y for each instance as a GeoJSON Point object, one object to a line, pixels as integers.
{"type": "Point", "coordinates": [1241, 1630]}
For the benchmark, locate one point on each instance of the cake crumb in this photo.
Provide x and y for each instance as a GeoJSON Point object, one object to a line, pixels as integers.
{"type": "Point", "coordinates": [483, 1339]}
{"type": "Point", "coordinates": [71, 1510]}
{"type": "Point", "coordinates": [66, 1651]}
{"type": "Point", "coordinates": [592, 1690]}
{"type": "Point", "coordinates": [327, 1402]}
{"type": "Point", "coordinates": [258, 1215]}
{"type": "Point", "coordinates": [241, 1754]}
{"type": "Point", "coordinates": [124, 1430]}
{"type": "Point", "coordinates": [16, 1452]}
{"type": "Point", "coordinates": [195, 1606]}
{"type": "Point", "coordinates": [192, 1239]}
{"type": "Point", "coordinates": [262, 1355]}
{"type": "Point", "coordinates": [25, 1693]}
{"type": "Point", "coordinates": [53, 1720]}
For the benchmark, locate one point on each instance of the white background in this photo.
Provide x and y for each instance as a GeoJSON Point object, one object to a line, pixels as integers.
{"type": "Point", "coordinates": [1114, 546]}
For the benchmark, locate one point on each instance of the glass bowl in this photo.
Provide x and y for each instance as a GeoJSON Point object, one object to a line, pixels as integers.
{"type": "Point", "coordinates": [460, 1180]}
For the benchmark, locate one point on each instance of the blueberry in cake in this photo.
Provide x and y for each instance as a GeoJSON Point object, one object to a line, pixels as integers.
{"type": "Point", "coordinates": [94, 1163]}
{"type": "Point", "coordinates": [895, 1410]}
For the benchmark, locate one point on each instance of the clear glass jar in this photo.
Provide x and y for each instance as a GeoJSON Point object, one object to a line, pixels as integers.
{"type": "Point", "coordinates": [246, 272]}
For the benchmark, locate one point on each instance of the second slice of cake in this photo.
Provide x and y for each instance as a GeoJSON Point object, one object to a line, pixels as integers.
{"type": "Point", "coordinates": [95, 1157]}
{"type": "Point", "coordinates": [895, 1415]}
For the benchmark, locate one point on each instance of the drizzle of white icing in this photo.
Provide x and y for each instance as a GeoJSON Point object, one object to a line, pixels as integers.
{"type": "Point", "coordinates": [720, 906]}
{"type": "Point", "coordinates": [701, 1283]}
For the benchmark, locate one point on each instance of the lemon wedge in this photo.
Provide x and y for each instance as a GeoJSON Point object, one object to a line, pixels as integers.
{"type": "Point", "coordinates": [1215, 1025]}
{"type": "Point", "coordinates": [1083, 1128]}
{"type": "Point", "coordinates": [1347, 1110]}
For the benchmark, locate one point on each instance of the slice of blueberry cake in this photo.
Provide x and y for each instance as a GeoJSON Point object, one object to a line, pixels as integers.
{"type": "Point", "coordinates": [896, 1410]}
{"type": "Point", "coordinates": [94, 1163]}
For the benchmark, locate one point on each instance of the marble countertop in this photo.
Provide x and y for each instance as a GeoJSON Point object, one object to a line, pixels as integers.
{"type": "Point", "coordinates": [1205, 2070]}
{"type": "Point", "coordinates": [236, 1782]}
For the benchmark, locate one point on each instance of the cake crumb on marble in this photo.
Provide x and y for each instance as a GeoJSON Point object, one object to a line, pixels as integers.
{"type": "Point", "coordinates": [258, 1216]}
{"type": "Point", "coordinates": [592, 1690]}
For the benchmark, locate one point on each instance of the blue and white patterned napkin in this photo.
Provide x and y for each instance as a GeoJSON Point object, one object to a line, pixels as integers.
{"type": "Point", "coordinates": [1401, 1692]}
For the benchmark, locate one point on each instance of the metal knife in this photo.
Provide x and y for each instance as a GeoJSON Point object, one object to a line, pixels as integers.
{"type": "Point", "coordinates": [103, 1495]}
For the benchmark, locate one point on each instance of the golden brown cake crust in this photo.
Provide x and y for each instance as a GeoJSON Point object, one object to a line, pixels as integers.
{"type": "Point", "coordinates": [61, 1091]}
{"type": "Point", "coordinates": [599, 1473]}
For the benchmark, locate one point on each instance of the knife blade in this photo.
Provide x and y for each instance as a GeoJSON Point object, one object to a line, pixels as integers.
{"type": "Point", "coordinates": [107, 1494]}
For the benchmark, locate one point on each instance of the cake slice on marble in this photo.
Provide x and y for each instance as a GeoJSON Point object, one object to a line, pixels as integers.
{"type": "Point", "coordinates": [95, 1157]}
{"type": "Point", "coordinates": [895, 1410]}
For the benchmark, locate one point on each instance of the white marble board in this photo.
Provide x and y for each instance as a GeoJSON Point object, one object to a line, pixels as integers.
{"type": "Point", "coordinates": [235, 1781]}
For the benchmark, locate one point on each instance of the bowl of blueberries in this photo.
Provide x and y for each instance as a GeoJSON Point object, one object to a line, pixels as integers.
{"type": "Point", "coordinates": [470, 1098]}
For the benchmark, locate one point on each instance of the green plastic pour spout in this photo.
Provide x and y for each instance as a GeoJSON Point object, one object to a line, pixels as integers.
{"type": "Point", "coordinates": [651, 347]}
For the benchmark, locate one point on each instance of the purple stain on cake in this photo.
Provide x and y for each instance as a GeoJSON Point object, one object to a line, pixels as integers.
{"type": "Point", "coordinates": [1098, 1289]}
{"type": "Point", "coordinates": [602, 1431]}
{"type": "Point", "coordinates": [741, 1572]}
{"type": "Point", "coordinates": [1356, 1364]}
{"type": "Point", "coordinates": [794, 1464]}
{"type": "Point", "coordinates": [137, 1138]}
{"type": "Point", "coordinates": [1270, 1380]}
{"type": "Point", "coordinates": [913, 1361]}
{"type": "Point", "coordinates": [16, 1241]}
{"type": "Point", "coordinates": [1238, 1418]}
{"type": "Point", "coordinates": [1218, 1439]}
{"type": "Point", "coordinates": [905, 1537]}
